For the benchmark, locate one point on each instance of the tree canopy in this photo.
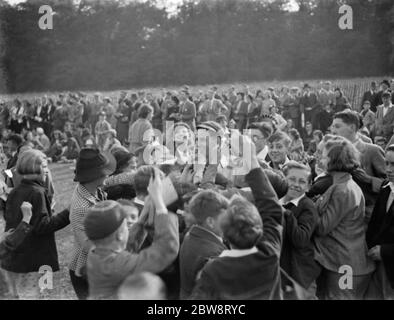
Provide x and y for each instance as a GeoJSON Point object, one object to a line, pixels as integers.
{"type": "Point", "coordinates": [106, 45]}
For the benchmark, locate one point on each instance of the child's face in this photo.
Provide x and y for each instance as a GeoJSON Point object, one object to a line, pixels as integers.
{"type": "Point", "coordinates": [278, 151]}
{"type": "Point", "coordinates": [298, 182]}
{"type": "Point", "coordinates": [132, 215]}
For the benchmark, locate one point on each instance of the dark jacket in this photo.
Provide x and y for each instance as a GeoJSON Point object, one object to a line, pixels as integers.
{"type": "Point", "coordinates": [39, 248]}
{"type": "Point", "coordinates": [198, 246]}
{"type": "Point", "coordinates": [14, 239]}
{"type": "Point", "coordinates": [297, 256]}
{"type": "Point", "coordinates": [381, 232]}
{"type": "Point", "coordinates": [251, 276]}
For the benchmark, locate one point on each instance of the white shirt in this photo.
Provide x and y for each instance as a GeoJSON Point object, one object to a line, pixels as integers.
{"type": "Point", "coordinates": [263, 154]}
{"type": "Point", "coordinates": [295, 201]}
{"type": "Point", "coordinates": [391, 196]}
{"type": "Point", "coordinates": [236, 253]}
{"type": "Point", "coordinates": [386, 109]}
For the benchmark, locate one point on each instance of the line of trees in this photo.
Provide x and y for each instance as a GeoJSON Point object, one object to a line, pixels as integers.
{"type": "Point", "coordinates": [121, 44]}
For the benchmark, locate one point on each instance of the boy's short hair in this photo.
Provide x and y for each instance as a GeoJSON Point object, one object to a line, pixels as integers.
{"type": "Point", "coordinates": [296, 165]}
{"type": "Point", "coordinates": [144, 110]}
{"type": "Point", "coordinates": [265, 129]}
{"type": "Point", "coordinates": [349, 117]}
{"type": "Point", "coordinates": [142, 286]}
{"type": "Point", "coordinates": [278, 136]}
{"type": "Point", "coordinates": [242, 225]}
{"type": "Point", "coordinates": [16, 139]}
{"type": "Point", "coordinates": [207, 203]}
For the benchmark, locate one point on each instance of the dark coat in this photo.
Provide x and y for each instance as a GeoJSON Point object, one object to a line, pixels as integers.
{"type": "Point", "coordinates": [381, 232]}
{"type": "Point", "coordinates": [198, 246]}
{"type": "Point", "coordinates": [372, 98]}
{"type": "Point", "coordinates": [39, 248]}
{"type": "Point", "coordinates": [297, 256]}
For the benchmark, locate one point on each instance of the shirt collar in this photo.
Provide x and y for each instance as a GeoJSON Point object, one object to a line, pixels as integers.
{"type": "Point", "coordinates": [295, 201]}
{"type": "Point", "coordinates": [389, 185]}
{"type": "Point", "coordinates": [389, 106]}
{"type": "Point", "coordinates": [87, 195]}
{"type": "Point", "coordinates": [237, 253]}
{"type": "Point", "coordinates": [138, 201]}
{"type": "Point", "coordinates": [263, 153]}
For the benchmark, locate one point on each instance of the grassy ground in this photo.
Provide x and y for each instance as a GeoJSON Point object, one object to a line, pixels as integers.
{"type": "Point", "coordinates": [64, 186]}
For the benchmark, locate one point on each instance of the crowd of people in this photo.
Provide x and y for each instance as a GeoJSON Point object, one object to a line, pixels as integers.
{"type": "Point", "coordinates": [283, 193]}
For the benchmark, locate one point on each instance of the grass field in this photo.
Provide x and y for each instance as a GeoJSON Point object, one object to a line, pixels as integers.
{"type": "Point", "coordinates": [64, 186]}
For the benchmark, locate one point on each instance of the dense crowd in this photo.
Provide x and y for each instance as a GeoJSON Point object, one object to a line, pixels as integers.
{"type": "Point", "coordinates": [235, 193]}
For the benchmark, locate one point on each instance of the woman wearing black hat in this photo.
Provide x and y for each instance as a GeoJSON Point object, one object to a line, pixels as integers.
{"type": "Point", "coordinates": [92, 168]}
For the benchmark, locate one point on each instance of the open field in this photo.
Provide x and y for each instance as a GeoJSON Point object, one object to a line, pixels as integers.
{"type": "Point", "coordinates": [64, 185]}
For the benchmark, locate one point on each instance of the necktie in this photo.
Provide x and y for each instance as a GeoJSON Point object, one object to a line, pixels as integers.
{"type": "Point", "coordinates": [390, 201]}
{"type": "Point", "coordinates": [289, 205]}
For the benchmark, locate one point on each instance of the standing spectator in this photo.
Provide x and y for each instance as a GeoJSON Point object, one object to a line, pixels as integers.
{"type": "Point", "coordinates": [346, 125]}
{"type": "Point", "coordinates": [139, 135]}
{"type": "Point", "coordinates": [384, 87]}
{"type": "Point", "coordinates": [308, 105]}
{"type": "Point", "coordinates": [60, 116]}
{"type": "Point", "coordinates": [14, 142]}
{"type": "Point", "coordinates": [296, 148]}
{"type": "Point", "coordinates": [239, 111]}
{"type": "Point", "coordinates": [340, 230]}
{"type": "Point", "coordinates": [325, 118]}
{"type": "Point", "coordinates": [380, 236]}
{"type": "Point", "coordinates": [212, 107]}
{"type": "Point", "coordinates": [111, 141]}
{"type": "Point", "coordinates": [341, 101]}
{"type": "Point", "coordinates": [384, 123]}
{"type": "Point", "coordinates": [187, 110]}
{"type": "Point", "coordinates": [367, 115]}
{"type": "Point", "coordinates": [101, 129]}
{"type": "Point", "coordinates": [109, 110]}
{"type": "Point", "coordinates": [307, 134]}
{"type": "Point", "coordinates": [39, 249]}
{"type": "Point", "coordinates": [92, 168]}
{"type": "Point", "coordinates": [371, 96]}
{"type": "Point", "coordinates": [123, 119]}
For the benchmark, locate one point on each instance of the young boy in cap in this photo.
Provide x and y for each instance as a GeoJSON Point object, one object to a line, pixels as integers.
{"type": "Point", "coordinates": [108, 261]}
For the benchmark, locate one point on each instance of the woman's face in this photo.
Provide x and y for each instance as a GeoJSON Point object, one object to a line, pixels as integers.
{"type": "Point", "coordinates": [181, 134]}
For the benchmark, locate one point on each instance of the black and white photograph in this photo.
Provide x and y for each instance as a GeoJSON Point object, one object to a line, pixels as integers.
{"type": "Point", "coordinates": [185, 150]}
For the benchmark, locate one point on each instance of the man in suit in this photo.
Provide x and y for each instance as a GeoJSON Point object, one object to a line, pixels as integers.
{"type": "Point", "coordinates": [370, 96]}
{"type": "Point", "coordinates": [212, 107]}
{"type": "Point", "coordinates": [297, 255]}
{"type": "Point", "coordinates": [187, 110]}
{"type": "Point", "coordinates": [309, 105]}
{"type": "Point", "coordinates": [380, 236]}
{"type": "Point", "coordinates": [384, 123]}
{"type": "Point", "coordinates": [384, 87]}
{"type": "Point", "coordinates": [239, 111]}
{"type": "Point", "coordinates": [204, 239]}
{"type": "Point", "coordinates": [14, 141]}
{"type": "Point", "coordinates": [346, 124]}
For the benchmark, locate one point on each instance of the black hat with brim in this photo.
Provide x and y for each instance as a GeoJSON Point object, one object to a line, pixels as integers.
{"type": "Point", "coordinates": [93, 164]}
